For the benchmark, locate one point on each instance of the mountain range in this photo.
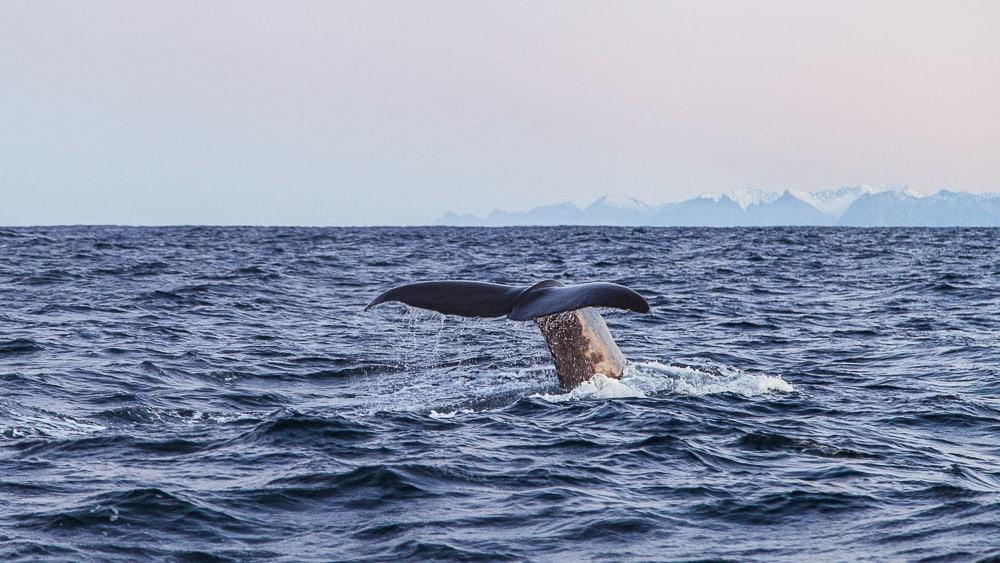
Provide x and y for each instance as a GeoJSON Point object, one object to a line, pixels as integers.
{"type": "Point", "coordinates": [857, 206]}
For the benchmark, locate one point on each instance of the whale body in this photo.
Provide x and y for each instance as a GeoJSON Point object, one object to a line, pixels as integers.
{"type": "Point", "coordinates": [577, 336]}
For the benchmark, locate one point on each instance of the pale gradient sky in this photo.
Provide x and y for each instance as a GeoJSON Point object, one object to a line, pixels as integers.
{"type": "Point", "coordinates": [321, 113]}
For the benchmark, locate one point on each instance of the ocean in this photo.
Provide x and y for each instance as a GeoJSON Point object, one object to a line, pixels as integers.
{"type": "Point", "coordinates": [218, 393]}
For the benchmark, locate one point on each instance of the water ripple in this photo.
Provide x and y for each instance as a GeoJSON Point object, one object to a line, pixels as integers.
{"type": "Point", "coordinates": [207, 393]}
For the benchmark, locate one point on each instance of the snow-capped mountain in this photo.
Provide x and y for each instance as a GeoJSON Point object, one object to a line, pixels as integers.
{"type": "Point", "coordinates": [835, 202]}
{"type": "Point", "coordinates": [620, 202]}
{"type": "Point", "coordinates": [616, 210]}
{"type": "Point", "coordinates": [870, 206]}
{"type": "Point", "coordinates": [944, 209]}
{"type": "Point", "coordinates": [746, 197]}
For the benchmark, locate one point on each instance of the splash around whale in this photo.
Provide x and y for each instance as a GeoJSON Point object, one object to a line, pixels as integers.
{"type": "Point", "coordinates": [577, 336]}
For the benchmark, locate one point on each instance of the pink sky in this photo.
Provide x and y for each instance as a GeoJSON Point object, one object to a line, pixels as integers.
{"type": "Point", "coordinates": [394, 112]}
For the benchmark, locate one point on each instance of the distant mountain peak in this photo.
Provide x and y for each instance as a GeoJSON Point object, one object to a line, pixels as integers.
{"type": "Point", "coordinates": [836, 201]}
{"type": "Point", "coordinates": [616, 201]}
{"type": "Point", "coordinates": [746, 197]}
{"type": "Point", "coordinates": [862, 205]}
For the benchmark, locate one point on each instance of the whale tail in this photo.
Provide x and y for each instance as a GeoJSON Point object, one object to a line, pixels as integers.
{"type": "Point", "coordinates": [518, 303]}
{"type": "Point", "coordinates": [576, 334]}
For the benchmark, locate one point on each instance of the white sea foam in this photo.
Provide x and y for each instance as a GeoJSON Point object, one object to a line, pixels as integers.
{"type": "Point", "coordinates": [25, 421]}
{"type": "Point", "coordinates": [654, 377]}
{"type": "Point", "coordinates": [449, 414]}
{"type": "Point", "coordinates": [435, 414]}
{"type": "Point", "coordinates": [647, 378]}
{"type": "Point", "coordinates": [598, 387]}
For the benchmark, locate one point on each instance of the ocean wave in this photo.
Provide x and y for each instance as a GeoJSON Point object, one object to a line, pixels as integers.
{"type": "Point", "coordinates": [200, 393]}
{"type": "Point", "coordinates": [18, 422]}
{"type": "Point", "coordinates": [120, 509]}
{"type": "Point", "coordinates": [150, 415]}
{"type": "Point", "coordinates": [789, 506]}
{"type": "Point", "coordinates": [19, 346]}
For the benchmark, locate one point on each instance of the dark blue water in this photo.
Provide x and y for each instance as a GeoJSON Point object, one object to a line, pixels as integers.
{"type": "Point", "coordinates": [186, 393]}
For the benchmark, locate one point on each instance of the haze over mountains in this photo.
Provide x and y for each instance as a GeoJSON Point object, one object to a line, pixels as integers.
{"type": "Point", "coordinates": [857, 206]}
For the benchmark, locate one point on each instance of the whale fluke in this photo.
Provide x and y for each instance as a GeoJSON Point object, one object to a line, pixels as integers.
{"type": "Point", "coordinates": [577, 336]}
{"type": "Point", "coordinates": [551, 297]}
{"type": "Point", "coordinates": [462, 298]}
{"type": "Point", "coordinates": [518, 303]}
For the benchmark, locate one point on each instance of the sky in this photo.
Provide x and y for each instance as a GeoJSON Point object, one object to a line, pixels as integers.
{"type": "Point", "coordinates": [369, 112]}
